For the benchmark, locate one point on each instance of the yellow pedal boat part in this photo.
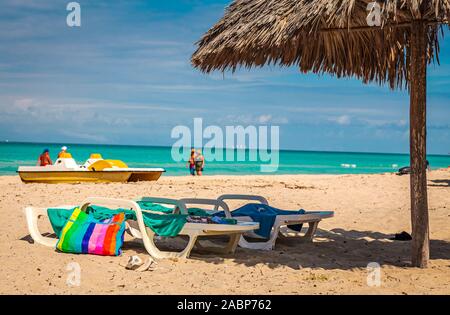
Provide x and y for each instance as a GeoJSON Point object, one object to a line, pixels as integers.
{"type": "Point", "coordinates": [95, 170]}
{"type": "Point", "coordinates": [55, 177]}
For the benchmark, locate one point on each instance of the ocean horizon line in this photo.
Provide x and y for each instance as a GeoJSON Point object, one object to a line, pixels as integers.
{"type": "Point", "coordinates": [221, 148]}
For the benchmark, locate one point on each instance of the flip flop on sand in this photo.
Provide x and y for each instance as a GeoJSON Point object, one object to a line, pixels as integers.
{"type": "Point", "coordinates": [133, 263]}
{"type": "Point", "coordinates": [149, 265]}
{"type": "Point", "coordinates": [136, 263]}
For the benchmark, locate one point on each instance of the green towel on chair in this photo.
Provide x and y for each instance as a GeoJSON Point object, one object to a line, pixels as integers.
{"type": "Point", "coordinates": [168, 225]}
{"type": "Point", "coordinates": [145, 205]}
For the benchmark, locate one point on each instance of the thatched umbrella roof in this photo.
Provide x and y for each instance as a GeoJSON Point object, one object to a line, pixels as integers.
{"type": "Point", "coordinates": [336, 37]}
{"type": "Point", "coordinates": [329, 36]}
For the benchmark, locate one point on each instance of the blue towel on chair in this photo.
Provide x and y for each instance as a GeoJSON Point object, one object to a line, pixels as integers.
{"type": "Point", "coordinates": [263, 214]}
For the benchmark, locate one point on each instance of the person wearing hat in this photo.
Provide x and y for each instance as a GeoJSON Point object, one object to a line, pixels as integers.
{"type": "Point", "coordinates": [44, 158]}
{"type": "Point", "coordinates": [63, 150]}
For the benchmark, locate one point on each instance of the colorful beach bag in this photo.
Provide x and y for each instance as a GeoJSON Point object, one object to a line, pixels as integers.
{"type": "Point", "coordinates": [83, 234]}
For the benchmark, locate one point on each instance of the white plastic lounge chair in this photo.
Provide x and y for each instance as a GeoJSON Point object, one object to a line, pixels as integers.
{"type": "Point", "coordinates": [311, 217]}
{"type": "Point", "coordinates": [138, 229]}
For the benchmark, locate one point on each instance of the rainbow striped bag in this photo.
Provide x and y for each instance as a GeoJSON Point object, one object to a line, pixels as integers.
{"type": "Point", "coordinates": [82, 234]}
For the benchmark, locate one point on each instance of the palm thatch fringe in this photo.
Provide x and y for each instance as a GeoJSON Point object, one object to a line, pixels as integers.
{"type": "Point", "coordinates": [317, 36]}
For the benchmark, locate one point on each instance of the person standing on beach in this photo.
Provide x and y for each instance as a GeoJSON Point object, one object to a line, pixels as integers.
{"type": "Point", "coordinates": [191, 163]}
{"type": "Point", "coordinates": [44, 158]}
{"type": "Point", "coordinates": [63, 150]}
{"type": "Point", "coordinates": [199, 163]}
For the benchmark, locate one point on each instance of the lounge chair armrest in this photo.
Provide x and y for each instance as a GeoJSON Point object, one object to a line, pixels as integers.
{"type": "Point", "coordinates": [261, 199]}
{"type": "Point", "coordinates": [109, 202]}
{"type": "Point", "coordinates": [32, 214]}
{"type": "Point", "coordinates": [213, 202]}
{"type": "Point", "coordinates": [165, 201]}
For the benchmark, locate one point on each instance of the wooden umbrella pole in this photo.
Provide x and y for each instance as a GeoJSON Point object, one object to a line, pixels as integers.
{"type": "Point", "coordinates": [418, 181]}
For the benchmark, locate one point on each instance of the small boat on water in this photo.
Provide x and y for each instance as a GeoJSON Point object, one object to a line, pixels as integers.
{"type": "Point", "coordinates": [95, 170]}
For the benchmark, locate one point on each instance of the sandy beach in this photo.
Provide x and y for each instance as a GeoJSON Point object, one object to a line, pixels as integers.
{"type": "Point", "coordinates": [369, 209]}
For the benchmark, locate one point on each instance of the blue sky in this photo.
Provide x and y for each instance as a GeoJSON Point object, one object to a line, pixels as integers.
{"type": "Point", "coordinates": [124, 77]}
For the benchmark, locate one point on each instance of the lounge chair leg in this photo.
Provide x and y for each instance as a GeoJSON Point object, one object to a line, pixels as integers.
{"type": "Point", "coordinates": [307, 237]}
{"type": "Point", "coordinates": [187, 251]}
{"type": "Point", "coordinates": [268, 245]}
{"type": "Point", "coordinates": [32, 215]}
{"type": "Point", "coordinates": [311, 231]}
{"type": "Point", "coordinates": [233, 243]}
{"type": "Point", "coordinates": [230, 248]}
{"type": "Point", "coordinates": [133, 230]}
{"type": "Point", "coordinates": [151, 248]}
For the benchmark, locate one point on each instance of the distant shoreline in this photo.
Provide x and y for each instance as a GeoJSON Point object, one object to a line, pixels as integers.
{"type": "Point", "coordinates": [264, 175]}
{"type": "Point", "coordinates": [169, 147]}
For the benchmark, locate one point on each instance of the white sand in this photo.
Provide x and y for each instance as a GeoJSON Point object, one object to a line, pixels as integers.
{"type": "Point", "coordinates": [369, 209]}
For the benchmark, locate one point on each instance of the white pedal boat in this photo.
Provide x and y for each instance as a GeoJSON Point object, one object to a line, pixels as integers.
{"type": "Point", "coordinates": [95, 170]}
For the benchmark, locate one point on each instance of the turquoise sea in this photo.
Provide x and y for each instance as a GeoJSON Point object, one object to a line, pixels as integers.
{"type": "Point", "coordinates": [290, 162]}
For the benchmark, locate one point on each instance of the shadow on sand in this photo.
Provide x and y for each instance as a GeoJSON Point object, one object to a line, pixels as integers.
{"type": "Point", "coordinates": [440, 183]}
{"type": "Point", "coordinates": [334, 249]}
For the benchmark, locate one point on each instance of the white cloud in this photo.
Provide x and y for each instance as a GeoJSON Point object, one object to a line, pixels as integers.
{"type": "Point", "coordinates": [384, 122]}
{"type": "Point", "coordinates": [264, 119]}
{"type": "Point", "coordinates": [341, 120]}
{"type": "Point", "coordinates": [323, 109]}
{"type": "Point", "coordinates": [41, 4]}
{"type": "Point", "coordinates": [23, 103]}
